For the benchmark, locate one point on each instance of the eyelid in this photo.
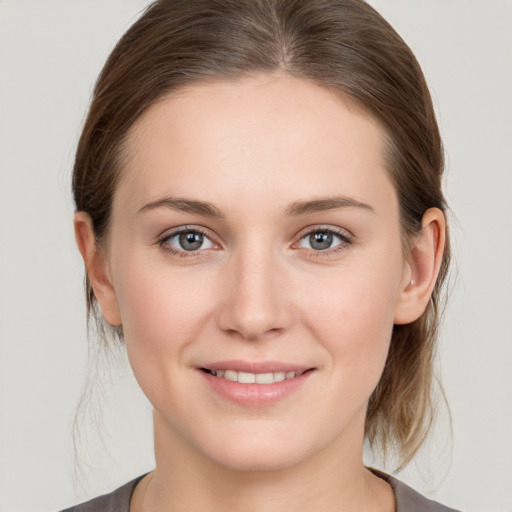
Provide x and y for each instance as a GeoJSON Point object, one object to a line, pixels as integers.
{"type": "Point", "coordinates": [345, 236]}
{"type": "Point", "coordinates": [169, 234]}
{"type": "Point", "coordinates": [342, 233]}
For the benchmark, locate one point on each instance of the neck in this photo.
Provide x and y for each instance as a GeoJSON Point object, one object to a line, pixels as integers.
{"type": "Point", "coordinates": [334, 479]}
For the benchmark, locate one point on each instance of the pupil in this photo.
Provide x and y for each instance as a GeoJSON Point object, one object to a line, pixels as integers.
{"type": "Point", "coordinates": [320, 241]}
{"type": "Point", "coordinates": [191, 241]}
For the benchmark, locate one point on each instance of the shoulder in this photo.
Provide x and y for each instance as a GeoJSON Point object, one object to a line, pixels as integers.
{"type": "Point", "coordinates": [409, 500]}
{"type": "Point", "coordinates": [116, 501]}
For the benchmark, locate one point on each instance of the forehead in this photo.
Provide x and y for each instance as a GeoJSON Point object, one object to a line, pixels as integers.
{"type": "Point", "coordinates": [272, 137]}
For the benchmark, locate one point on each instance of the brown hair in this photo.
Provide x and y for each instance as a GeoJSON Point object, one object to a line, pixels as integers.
{"type": "Point", "coordinates": [344, 45]}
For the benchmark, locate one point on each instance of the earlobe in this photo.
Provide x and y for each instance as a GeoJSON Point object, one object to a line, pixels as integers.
{"type": "Point", "coordinates": [96, 264]}
{"type": "Point", "coordinates": [426, 255]}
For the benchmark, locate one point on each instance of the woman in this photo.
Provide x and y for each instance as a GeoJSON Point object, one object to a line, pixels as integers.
{"type": "Point", "coordinates": [260, 214]}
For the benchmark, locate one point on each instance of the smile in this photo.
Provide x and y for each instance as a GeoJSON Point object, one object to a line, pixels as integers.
{"type": "Point", "coordinates": [253, 378]}
{"type": "Point", "coordinates": [255, 384]}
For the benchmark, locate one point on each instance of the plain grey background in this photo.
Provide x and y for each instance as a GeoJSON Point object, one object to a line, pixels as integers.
{"type": "Point", "coordinates": [50, 55]}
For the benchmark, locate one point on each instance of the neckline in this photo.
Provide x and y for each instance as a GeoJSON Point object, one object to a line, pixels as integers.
{"type": "Point", "coordinates": [406, 498]}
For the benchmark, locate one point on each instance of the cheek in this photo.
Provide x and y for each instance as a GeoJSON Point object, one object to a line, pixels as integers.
{"type": "Point", "coordinates": [352, 315]}
{"type": "Point", "coordinates": [162, 311]}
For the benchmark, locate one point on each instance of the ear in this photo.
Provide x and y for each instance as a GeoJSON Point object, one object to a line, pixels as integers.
{"type": "Point", "coordinates": [426, 255]}
{"type": "Point", "coordinates": [96, 264]}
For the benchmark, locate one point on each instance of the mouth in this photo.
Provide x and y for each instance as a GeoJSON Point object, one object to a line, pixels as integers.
{"type": "Point", "coordinates": [255, 384]}
{"type": "Point", "coordinates": [254, 378]}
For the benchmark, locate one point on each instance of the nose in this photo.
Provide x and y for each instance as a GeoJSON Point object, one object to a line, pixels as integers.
{"type": "Point", "coordinates": [255, 302]}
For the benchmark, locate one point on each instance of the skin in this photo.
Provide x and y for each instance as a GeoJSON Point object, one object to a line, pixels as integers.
{"type": "Point", "coordinates": [256, 290]}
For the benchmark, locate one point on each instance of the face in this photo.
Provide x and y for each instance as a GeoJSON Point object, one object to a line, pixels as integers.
{"type": "Point", "coordinates": [257, 269]}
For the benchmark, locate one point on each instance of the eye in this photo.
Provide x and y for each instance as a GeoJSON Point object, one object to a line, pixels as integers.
{"type": "Point", "coordinates": [186, 240]}
{"type": "Point", "coordinates": [323, 240]}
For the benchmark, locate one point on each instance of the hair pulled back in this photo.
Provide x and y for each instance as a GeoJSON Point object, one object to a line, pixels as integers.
{"type": "Point", "coordinates": [344, 45]}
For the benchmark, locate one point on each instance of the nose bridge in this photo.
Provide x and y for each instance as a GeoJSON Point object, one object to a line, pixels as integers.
{"type": "Point", "coordinates": [255, 303]}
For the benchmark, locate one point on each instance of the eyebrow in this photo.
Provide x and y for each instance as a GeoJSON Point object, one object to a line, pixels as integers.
{"type": "Point", "coordinates": [297, 208]}
{"type": "Point", "coordinates": [325, 204]}
{"type": "Point", "coordinates": [202, 208]}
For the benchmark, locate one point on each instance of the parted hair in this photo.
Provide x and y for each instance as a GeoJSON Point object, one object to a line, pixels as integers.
{"type": "Point", "coordinates": [343, 45]}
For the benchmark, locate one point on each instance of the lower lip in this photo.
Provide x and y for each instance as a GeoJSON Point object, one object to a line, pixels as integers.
{"type": "Point", "coordinates": [254, 395]}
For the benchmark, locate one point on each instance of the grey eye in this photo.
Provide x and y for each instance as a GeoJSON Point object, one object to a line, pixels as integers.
{"type": "Point", "coordinates": [189, 241]}
{"type": "Point", "coordinates": [322, 240]}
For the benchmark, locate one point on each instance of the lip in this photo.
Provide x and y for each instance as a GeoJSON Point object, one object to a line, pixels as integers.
{"type": "Point", "coordinates": [255, 366]}
{"type": "Point", "coordinates": [255, 395]}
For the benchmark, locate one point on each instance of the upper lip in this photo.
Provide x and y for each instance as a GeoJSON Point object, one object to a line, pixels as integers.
{"type": "Point", "coordinates": [256, 366]}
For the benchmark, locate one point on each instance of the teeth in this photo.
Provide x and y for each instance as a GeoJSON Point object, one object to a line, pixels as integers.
{"type": "Point", "coordinates": [279, 376]}
{"type": "Point", "coordinates": [246, 378]}
{"type": "Point", "coordinates": [255, 378]}
{"type": "Point", "coordinates": [264, 378]}
{"type": "Point", "coordinates": [231, 375]}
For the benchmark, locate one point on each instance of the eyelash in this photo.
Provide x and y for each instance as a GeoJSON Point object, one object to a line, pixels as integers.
{"type": "Point", "coordinates": [346, 240]}
{"type": "Point", "coordinates": [163, 241]}
{"type": "Point", "coordinates": [344, 236]}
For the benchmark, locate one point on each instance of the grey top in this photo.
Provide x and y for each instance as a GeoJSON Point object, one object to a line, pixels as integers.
{"type": "Point", "coordinates": [407, 499]}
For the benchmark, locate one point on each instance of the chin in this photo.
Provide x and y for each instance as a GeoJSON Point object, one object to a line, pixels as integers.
{"type": "Point", "coordinates": [255, 459]}
{"type": "Point", "coordinates": [260, 450]}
